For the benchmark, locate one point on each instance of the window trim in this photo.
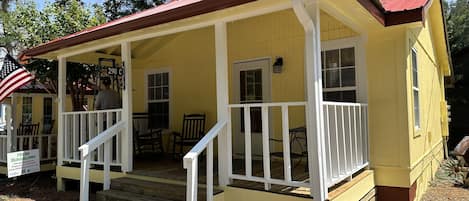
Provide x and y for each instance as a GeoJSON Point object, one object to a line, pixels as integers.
{"type": "Point", "coordinates": [22, 108]}
{"type": "Point", "coordinates": [170, 88]}
{"type": "Point", "coordinates": [353, 42]}
{"type": "Point", "coordinates": [416, 117]}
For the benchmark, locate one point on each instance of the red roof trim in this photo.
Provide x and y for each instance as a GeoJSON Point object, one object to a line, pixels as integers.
{"type": "Point", "coordinates": [397, 11]}
{"type": "Point", "coordinates": [175, 10]}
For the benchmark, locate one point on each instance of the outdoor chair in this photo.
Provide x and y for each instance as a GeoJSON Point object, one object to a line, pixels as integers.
{"type": "Point", "coordinates": [297, 140]}
{"type": "Point", "coordinates": [193, 129]}
{"type": "Point", "coordinates": [29, 136]}
{"type": "Point", "coordinates": [146, 138]}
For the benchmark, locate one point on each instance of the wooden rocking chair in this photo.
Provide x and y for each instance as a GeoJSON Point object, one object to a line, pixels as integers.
{"type": "Point", "coordinates": [193, 129]}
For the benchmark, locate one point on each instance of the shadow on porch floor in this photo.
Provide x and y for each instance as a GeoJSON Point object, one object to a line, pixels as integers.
{"type": "Point", "coordinates": [166, 167]}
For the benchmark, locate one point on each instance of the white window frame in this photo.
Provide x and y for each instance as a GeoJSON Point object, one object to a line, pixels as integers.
{"type": "Point", "coordinates": [415, 89]}
{"type": "Point", "coordinates": [146, 95]}
{"type": "Point", "coordinates": [23, 106]}
{"type": "Point", "coordinates": [356, 43]}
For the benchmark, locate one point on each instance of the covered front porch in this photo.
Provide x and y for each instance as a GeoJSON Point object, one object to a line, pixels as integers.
{"type": "Point", "coordinates": [284, 105]}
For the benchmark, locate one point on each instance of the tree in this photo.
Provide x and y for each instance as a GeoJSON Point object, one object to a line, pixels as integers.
{"type": "Point", "coordinates": [26, 27]}
{"type": "Point", "coordinates": [115, 9]}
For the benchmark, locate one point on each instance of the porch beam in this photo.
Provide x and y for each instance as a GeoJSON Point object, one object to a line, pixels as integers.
{"type": "Point", "coordinates": [308, 15]}
{"type": "Point", "coordinates": [224, 145]}
{"type": "Point", "coordinates": [127, 140]}
{"type": "Point", "coordinates": [61, 97]}
{"type": "Point", "coordinates": [276, 5]}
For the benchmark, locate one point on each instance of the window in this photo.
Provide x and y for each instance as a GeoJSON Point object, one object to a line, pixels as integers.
{"type": "Point", "coordinates": [47, 114]}
{"type": "Point", "coordinates": [415, 88]}
{"type": "Point", "coordinates": [27, 115]}
{"type": "Point", "coordinates": [158, 99]}
{"type": "Point", "coordinates": [338, 70]}
{"type": "Point", "coordinates": [251, 92]}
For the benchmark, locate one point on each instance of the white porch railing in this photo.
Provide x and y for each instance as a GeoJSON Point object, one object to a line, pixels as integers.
{"type": "Point", "coordinates": [346, 137]}
{"type": "Point", "coordinates": [81, 127]}
{"type": "Point", "coordinates": [102, 139]}
{"type": "Point", "coordinates": [190, 162]}
{"type": "Point", "coordinates": [45, 143]}
{"type": "Point", "coordinates": [265, 113]}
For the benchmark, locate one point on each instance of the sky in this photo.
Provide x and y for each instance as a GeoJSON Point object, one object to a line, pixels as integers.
{"type": "Point", "coordinates": [41, 3]}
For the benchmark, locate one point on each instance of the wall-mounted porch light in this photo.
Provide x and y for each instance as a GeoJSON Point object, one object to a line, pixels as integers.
{"type": "Point", "coordinates": [278, 65]}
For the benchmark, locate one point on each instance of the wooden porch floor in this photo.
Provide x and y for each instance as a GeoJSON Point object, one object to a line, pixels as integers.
{"type": "Point", "coordinates": [165, 167]}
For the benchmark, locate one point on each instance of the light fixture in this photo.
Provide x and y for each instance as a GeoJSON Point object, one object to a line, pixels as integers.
{"type": "Point", "coordinates": [278, 65]}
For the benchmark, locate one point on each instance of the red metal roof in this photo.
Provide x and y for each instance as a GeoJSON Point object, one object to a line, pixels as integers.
{"type": "Point", "coordinates": [402, 5]}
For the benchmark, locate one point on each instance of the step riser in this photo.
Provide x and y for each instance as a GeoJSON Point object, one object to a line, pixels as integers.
{"type": "Point", "coordinates": [124, 189]}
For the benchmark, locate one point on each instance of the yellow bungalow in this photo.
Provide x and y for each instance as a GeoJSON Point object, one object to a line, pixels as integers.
{"type": "Point", "coordinates": [304, 99]}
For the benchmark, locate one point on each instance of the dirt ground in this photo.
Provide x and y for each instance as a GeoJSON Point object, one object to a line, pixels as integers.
{"type": "Point", "coordinates": [38, 187]}
{"type": "Point", "coordinates": [447, 185]}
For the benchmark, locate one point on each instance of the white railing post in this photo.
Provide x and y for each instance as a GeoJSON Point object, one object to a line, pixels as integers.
{"type": "Point", "coordinates": [266, 146]}
{"type": "Point", "coordinates": [8, 129]}
{"type": "Point", "coordinates": [309, 16]}
{"type": "Point", "coordinates": [107, 164]}
{"type": "Point", "coordinates": [84, 177]}
{"type": "Point", "coordinates": [190, 164]}
{"type": "Point", "coordinates": [247, 141]}
{"type": "Point", "coordinates": [127, 142]}
{"type": "Point", "coordinates": [62, 68]}
{"type": "Point", "coordinates": [224, 141]}
{"type": "Point", "coordinates": [286, 144]}
{"type": "Point", "coordinates": [210, 171]}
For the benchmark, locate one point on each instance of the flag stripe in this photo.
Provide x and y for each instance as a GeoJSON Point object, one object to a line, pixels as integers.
{"type": "Point", "coordinates": [13, 88]}
{"type": "Point", "coordinates": [18, 79]}
{"type": "Point", "coordinates": [13, 74]}
{"type": "Point", "coordinates": [12, 77]}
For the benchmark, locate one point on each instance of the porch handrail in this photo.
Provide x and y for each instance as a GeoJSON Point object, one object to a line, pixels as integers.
{"type": "Point", "coordinates": [103, 138]}
{"type": "Point", "coordinates": [190, 162]}
{"type": "Point", "coordinates": [92, 112]}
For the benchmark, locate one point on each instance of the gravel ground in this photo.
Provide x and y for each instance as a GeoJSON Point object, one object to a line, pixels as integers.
{"type": "Point", "coordinates": [447, 185]}
{"type": "Point", "coordinates": [38, 187]}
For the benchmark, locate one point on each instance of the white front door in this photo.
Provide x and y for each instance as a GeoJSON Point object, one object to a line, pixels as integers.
{"type": "Point", "coordinates": [251, 84]}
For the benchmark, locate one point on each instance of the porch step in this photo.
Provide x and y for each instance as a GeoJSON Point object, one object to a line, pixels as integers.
{"type": "Point", "coordinates": [117, 195]}
{"type": "Point", "coordinates": [129, 189]}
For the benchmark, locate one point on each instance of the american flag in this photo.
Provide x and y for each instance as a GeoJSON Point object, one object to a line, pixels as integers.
{"type": "Point", "coordinates": [12, 77]}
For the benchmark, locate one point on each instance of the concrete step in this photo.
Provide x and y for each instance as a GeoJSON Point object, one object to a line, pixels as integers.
{"type": "Point", "coordinates": [117, 195]}
{"type": "Point", "coordinates": [149, 190]}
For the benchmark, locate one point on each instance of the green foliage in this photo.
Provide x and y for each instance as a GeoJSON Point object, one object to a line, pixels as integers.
{"type": "Point", "coordinates": [457, 20]}
{"type": "Point", "coordinates": [26, 27]}
{"type": "Point", "coordinates": [115, 9]}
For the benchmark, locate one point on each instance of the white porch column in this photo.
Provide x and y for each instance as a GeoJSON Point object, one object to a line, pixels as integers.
{"type": "Point", "coordinates": [61, 97]}
{"type": "Point", "coordinates": [224, 140]}
{"type": "Point", "coordinates": [127, 140]}
{"type": "Point", "coordinates": [8, 128]}
{"type": "Point", "coordinates": [307, 13]}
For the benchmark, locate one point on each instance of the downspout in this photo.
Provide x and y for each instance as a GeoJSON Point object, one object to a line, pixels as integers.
{"type": "Point", "coordinates": [313, 85]}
